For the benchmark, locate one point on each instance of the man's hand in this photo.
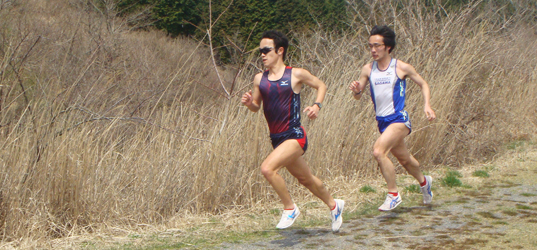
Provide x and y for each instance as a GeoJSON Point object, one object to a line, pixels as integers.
{"type": "Point", "coordinates": [429, 112]}
{"type": "Point", "coordinates": [355, 87]}
{"type": "Point", "coordinates": [312, 111]}
{"type": "Point", "coordinates": [247, 98]}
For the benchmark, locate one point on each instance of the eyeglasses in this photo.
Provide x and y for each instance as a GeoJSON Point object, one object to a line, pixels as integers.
{"type": "Point", "coordinates": [265, 50]}
{"type": "Point", "coordinates": [375, 45]}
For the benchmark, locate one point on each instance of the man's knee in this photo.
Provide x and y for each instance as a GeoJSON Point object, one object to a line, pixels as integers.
{"type": "Point", "coordinates": [268, 171]}
{"type": "Point", "coordinates": [378, 153]}
{"type": "Point", "coordinates": [305, 180]}
{"type": "Point", "coordinates": [404, 161]}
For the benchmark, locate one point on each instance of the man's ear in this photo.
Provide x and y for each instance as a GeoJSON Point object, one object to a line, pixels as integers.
{"type": "Point", "coordinates": [280, 50]}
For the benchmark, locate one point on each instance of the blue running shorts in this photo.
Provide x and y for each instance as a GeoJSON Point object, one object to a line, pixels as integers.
{"type": "Point", "coordinates": [399, 117]}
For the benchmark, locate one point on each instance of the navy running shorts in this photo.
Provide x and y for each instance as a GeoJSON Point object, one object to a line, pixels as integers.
{"type": "Point", "coordinates": [297, 133]}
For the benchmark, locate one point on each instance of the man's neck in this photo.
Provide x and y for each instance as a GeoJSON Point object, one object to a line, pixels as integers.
{"type": "Point", "coordinates": [384, 62]}
{"type": "Point", "coordinates": [277, 69]}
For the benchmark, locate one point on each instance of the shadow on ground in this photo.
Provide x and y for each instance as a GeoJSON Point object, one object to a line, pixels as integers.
{"type": "Point", "coordinates": [502, 214]}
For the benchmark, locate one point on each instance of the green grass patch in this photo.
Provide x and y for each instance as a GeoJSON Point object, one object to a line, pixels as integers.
{"type": "Point", "coordinates": [360, 236]}
{"type": "Point", "coordinates": [480, 173]}
{"type": "Point", "coordinates": [367, 189]}
{"type": "Point", "coordinates": [134, 236]}
{"type": "Point", "coordinates": [413, 189]}
{"type": "Point", "coordinates": [451, 181]}
{"type": "Point", "coordinates": [520, 206]}
{"type": "Point", "coordinates": [308, 221]}
{"type": "Point", "coordinates": [454, 173]}
{"type": "Point", "coordinates": [365, 209]}
{"type": "Point", "coordinates": [528, 194]}
{"type": "Point", "coordinates": [515, 144]}
{"type": "Point", "coordinates": [510, 211]}
{"type": "Point", "coordinates": [418, 233]}
{"type": "Point", "coordinates": [488, 215]}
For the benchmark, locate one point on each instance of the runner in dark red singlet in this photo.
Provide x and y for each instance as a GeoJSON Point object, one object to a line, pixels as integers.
{"type": "Point", "coordinates": [282, 109]}
{"type": "Point", "coordinates": [278, 88]}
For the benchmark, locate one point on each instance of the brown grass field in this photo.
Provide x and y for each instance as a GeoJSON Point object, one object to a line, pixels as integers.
{"type": "Point", "coordinates": [107, 129]}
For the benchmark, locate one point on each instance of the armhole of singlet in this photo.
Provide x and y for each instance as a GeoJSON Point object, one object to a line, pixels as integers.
{"type": "Point", "coordinates": [395, 69]}
{"type": "Point", "coordinates": [291, 80]}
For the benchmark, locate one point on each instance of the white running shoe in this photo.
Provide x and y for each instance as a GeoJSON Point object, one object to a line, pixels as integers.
{"type": "Point", "coordinates": [426, 190]}
{"type": "Point", "coordinates": [336, 215]}
{"type": "Point", "coordinates": [288, 218]}
{"type": "Point", "coordinates": [391, 202]}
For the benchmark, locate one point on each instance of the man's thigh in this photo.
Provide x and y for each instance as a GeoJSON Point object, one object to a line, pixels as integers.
{"type": "Point", "coordinates": [392, 137]}
{"type": "Point", "coordinates": [284, 155]}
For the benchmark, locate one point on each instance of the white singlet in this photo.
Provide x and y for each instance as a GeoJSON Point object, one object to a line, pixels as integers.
{"type": "Point", "coordinates": [387, 90]}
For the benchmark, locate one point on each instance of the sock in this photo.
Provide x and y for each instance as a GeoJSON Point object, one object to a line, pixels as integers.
{"type": "Point", "coordinates": [289, 209]}
{"type": "Point", "coordinates": [424, 182]}
{"type": "Point", "coordinates": [394, 194]}
{"type": "Point", "coordinates": [334, 207]}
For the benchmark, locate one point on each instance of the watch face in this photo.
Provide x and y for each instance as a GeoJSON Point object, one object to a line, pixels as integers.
{"type": "Point", "coordinates": [318, 104]}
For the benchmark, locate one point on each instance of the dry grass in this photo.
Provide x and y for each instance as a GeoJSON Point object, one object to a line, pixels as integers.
{"type": "Point", "coordinates": [107, 129]}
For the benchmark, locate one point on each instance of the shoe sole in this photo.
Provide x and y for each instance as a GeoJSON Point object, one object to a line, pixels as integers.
{"type": "Point", "coordinates": [396, 204]}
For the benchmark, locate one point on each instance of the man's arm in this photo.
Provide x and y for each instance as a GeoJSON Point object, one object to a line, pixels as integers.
{"type": "Point", "coordinates": [305, 77]}
{"type": "Point", "coordinates": [357, 87]}
{"type": "Point", "coordinates": [425, 91]}
{"type": "Point", "coordinates": [252, 99]}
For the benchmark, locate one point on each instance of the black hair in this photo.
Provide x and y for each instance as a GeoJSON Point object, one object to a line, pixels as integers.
{"type": "Point", "coordinates": [280, 40]}
{"type": "Point", "coordinates": [388, 35]}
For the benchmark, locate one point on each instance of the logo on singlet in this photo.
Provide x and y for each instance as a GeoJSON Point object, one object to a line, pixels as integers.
{"type": "Point", "coordinates": [284, 83]}
{"type": "Point", "coordinates": [383, 80]}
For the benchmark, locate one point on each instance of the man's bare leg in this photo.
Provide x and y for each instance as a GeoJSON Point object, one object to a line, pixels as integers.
{"type": "Point", "coordinates": [300, 170]}
{"type": "Point", "coordinates": [392, 136]}
{"type": "Point", "coordinates": [283, 155]}
{"type": "Point", "coordinates": [408, 161]}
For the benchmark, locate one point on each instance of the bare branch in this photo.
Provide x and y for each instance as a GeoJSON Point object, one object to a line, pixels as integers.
{"type": "Point", "coordinates": [210, 10]}
{"type": "Point", "coordinates": [232, 43]}
{"type": "Point", "coordinates": [249, 35]}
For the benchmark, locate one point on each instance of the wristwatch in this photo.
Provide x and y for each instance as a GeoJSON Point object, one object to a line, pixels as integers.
{"type": "Point", "coordinates": [318, 105]}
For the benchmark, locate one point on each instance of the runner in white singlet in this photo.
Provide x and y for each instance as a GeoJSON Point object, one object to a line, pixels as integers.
{"type": "Point", "coordinates": [387, 79]}
{"type": "Point", "coordinates": [388, 95]}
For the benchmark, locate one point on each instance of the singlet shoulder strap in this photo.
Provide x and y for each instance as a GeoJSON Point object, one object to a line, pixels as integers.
{"type": "Point", "coordinates": [265, 74]}
{"type": "Point", "coordinates": [395, 68]}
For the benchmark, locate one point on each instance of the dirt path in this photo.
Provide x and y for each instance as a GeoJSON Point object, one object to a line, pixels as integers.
{"type": "Point", "coordinates": [500, 213]}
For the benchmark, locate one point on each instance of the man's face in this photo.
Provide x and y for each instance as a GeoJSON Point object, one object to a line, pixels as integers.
{"type": "Point", "coordinates": [377, 47]}
{"type": "Point", "coordinates": [268, 52]}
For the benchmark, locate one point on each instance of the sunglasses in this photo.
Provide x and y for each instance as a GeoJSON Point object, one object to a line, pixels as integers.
{"type": "Point", "coordinates": [265, 50]}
